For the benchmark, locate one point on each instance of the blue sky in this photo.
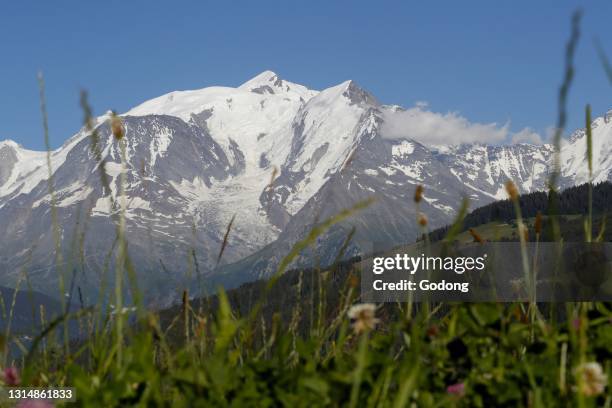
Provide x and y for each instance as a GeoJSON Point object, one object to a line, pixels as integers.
{"type": "Point", "coordinates": [489, 61]}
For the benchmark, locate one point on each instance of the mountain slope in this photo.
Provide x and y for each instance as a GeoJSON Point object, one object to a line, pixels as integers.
{"type": "Point", "coordinates": [195, 159]}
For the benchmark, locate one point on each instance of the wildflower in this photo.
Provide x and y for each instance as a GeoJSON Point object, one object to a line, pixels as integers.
{"type": "Point", "coordinates": [363, 317]}
{"type": "Point", "coordinates": [476, 236]}
{"type": "Point", "coordinates": [433, 331]}
{"type": "Point", "coordinates": [117, 127]}
{"type": "Point", "coordinates": [538, 223]}
{"type": "Point", "coordinates": [418, 194]}
{"type": "Point", "coordinates": [11, 376]}
{"type": "Point", "coordinates": [35, 404]}
{"type": "Point", "coordinates": [591, 379]}
{"type": "Point", "coordinates": [422, 220]}
{"type": "Point", "coordinates": [576, 323]}
{"type": "Point", "coordinates": [512, 190]}
{"type": "Point", "coordinates": [456, 389]}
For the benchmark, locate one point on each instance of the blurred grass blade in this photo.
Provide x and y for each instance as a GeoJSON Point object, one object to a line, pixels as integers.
{"type": "Point", "coordinates": [458, 222]}
{"type": "Point", "coordinates": [568, 76]}
{"type": "Point", "coordinates": [225, 239]}
{"type": "Point", "coordinates": [54, 324]}
{"type": "Point", "coordinates": [318, 230]}
{"type": "Point", "coordinates": [602, 229]}
{"type": "Point", "coordinates": [589, 141]}
{"type": "Point", "coordinates": [570, 50]}
{"type": "Point", "coordinates": [407, 387]}
{"type": "Point", "coordinates": [50, 182]}
{"type": "Point", "coordinates": [605, 62]}
{"type": "Point", "coordinates": [226, 324]}
{"type": "Point", "coordinates": [589, 157]}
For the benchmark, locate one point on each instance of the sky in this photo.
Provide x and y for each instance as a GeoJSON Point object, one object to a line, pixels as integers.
{"type": "Point", "coordinates": [472, 66]}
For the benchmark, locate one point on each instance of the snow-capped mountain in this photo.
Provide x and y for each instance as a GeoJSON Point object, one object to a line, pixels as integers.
{"type": "Point", "coordinates": [195, 159]}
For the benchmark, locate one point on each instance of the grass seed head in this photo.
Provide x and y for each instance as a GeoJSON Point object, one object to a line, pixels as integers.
{"type": "Point", "coordinates": [422, 220]}
{"type": "Point", "coordinates": [476, 236]}
{"type": "Point", "coordinates": [418, 194]}
{"type": "Point", "coordinates": [117, 127]}
{"type": "Point", "coordinates": [538, 223]}
{"type": "Point", "coordinates": [353, 280]}
{"type": "Point", "coordinates": [512, 190]}
{"type": "Point", "coordinates": [272, 177]}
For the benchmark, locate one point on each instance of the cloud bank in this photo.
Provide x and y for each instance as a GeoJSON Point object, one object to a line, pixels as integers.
{"type": "Point", "coordinates": [527, 135]}
{"type": "Point", "coordinates": [432, 128]}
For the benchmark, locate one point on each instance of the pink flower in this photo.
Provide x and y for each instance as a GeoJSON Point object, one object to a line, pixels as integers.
{"type": "Point", "coordinates": [576, 323]}
{"type": "Point", "coordinates": [11, 376]}
{"type": "Point", "coordinates": [456, 389]}
{"type": "Point", "coordinates": [35, 404]}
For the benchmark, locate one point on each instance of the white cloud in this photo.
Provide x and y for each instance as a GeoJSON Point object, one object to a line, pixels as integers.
{"type": "Point", "coordinates": [551, 131]}
{"type": "Point", "coordinates": [527, 135]}
{"type": "Point", "coordinates": [432, 128]}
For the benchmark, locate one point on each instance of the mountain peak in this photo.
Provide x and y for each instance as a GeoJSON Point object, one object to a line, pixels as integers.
{"type": "Point", "coordinates": [269, 83]}
{"type": "Point", "coordinates": [10, 143]}
{"type": "Point", "coordinates": [603, 120]}
{"type": "Point", "coordinates": [267, 77]}
{"type": "Point", "coordinates": [354, 93]}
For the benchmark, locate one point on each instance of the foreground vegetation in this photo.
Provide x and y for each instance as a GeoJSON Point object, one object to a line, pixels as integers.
{"type": "Point", "coordinates": [318, 347]}
{"type": "Point", "coordinates": [303, 339]}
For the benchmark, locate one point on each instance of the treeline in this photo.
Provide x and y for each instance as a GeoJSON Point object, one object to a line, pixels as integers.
{"type": "Point", "coordinates": [571, 201]}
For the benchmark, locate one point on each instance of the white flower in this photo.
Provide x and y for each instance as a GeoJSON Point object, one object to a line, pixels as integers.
{"type": "Point", "coordinates": [591, 379]}
{"type": "Point", "coordinates": [363, 317]}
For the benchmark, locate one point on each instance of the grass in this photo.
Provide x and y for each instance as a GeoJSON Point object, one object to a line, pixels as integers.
{"type": "Point", "coordinates": [295, 344]}
{"type": "Point", "coordinates": [508, 231]}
